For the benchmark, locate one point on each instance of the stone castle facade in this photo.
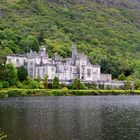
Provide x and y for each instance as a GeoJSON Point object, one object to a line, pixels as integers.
{"type": "Point", "coordinates": [39, 65]}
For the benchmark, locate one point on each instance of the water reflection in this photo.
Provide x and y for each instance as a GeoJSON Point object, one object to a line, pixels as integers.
{"type": "Point", "coordinates": [71, 118]}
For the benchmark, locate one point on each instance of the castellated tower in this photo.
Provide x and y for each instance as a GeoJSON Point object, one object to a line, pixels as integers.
{"type": "Point", "coordinates": [42, 51]}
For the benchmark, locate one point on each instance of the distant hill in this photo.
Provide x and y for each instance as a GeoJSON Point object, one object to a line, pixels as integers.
{"type": "Point", "coordinates": [108, 31]}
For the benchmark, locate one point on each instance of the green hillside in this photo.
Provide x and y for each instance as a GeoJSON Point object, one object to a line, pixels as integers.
{"type": "Point", "coordinates": [109, 33]}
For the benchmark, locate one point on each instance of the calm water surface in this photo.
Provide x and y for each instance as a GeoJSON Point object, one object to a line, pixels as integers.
{"type": "Point", "coordinates": [71, 118]}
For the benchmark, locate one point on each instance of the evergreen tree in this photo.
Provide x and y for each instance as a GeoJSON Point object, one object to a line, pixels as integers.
{"type": "Point", "coordinates": [77, 84]}
{"type": "Point", "coordinates": [22, 73]}
{"type": "Point", "coordinates": [56, 84]}
{"type": "Point", "coordinates": [46, 81]}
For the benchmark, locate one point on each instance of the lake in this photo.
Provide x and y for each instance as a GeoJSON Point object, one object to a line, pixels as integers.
{"type": "Point", "coordinates": [71, 118]}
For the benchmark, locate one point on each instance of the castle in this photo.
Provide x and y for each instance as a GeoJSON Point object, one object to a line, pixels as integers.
{"type": "Point", "coordinates": [39, 65]}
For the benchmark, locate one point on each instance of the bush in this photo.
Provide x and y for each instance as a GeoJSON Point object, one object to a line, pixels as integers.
{"type": "Point", "coordinates": [41, 85]}
{"type": "Point", "coordinates": [19, 84]}
{"type": "Point", "coordinates": [108, 87]}
{"type": "Point", "coordinates": [91, 86]}
{"type": "Point", "coordinates": [127, 85]}
{"type": "Point", "coordinates": [5, 84]}
{"type": "Point", "coordinates": [77, 84]}
{"type": "Point", "coordinates": [56, 84]}
{"type": "Point", "coordinates": [65, 90]}
{"type": "Point", "coordinates": [14, 93]}
{"type": "Point", "coordinates": [101, 86]}
{"type": "Point", "coordinates": [1, 85]}
{"type": "Point", "coordinates": [137, 84]}
{"type": "Point", "coordinates": [30, 83]}
{"type": "Point", "coordinates": [33, 84]}
{"type": "Point", "coordinates": [122, 77]}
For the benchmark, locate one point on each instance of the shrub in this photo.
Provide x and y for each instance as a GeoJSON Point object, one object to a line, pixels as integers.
{"type": "Point", "coordinates": [14, 93]}
{"type": "Point", "coordinates": [30, 83]}
{"type": "Point", "coordinates": [65, 90]}
{"type": "Point", "coordinates": [77, 84]}
{"type": "Point", "coordinates": [122, 77]}
{"type": "Point", "coordinates": [1, 85]}
{"type": "Point", "coordinates": [41, 85]}
{"type": "Point", "coordinates": [56, 84]}
{"type": "Point", "coordinates": [5, 84]}
{"type": "Point", "coordinates": [33, 84]}
{"type": "Point", "coordinates": [127, 85]}
{"type": "Point", "coordinates": [91, 86]}
{"type": "Point", "coordinates": [108, 87]}
{"type": "Point", "coordinates": [137, 84]}
{"type": "Point", "coordinates": [19, 84]}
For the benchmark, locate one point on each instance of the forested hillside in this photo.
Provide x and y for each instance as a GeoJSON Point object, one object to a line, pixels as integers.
{"type": "Point", "coordinates": [107, 31]}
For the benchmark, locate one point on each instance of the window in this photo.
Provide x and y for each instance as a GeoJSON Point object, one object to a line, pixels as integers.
{"type": "Point", "coordinates": [38, 72]}
{"type": "Point", "coordinates": [17, 60]}
{"type": "Point", "coordinates": [89, 72]}
{"type": "Point", "coordinates": [24, 61]}
{"type": "Point", "coordinates": [96, 71]}
{"type": "Point", "coordinates": [57, 69]}
{"type": "Point", "coordinates": [9, 60]}
{"type": "Point", "coordinates": [31, 63]}
{"type": "Point", "coordinates": [44, 71]}
{"type": "Point", "coordinates": [31, 72]}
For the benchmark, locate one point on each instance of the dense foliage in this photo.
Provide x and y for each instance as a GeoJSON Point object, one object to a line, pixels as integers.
{"type": "Point", "coordinates": [108, 33]}
{"type": "Point", "coordinates": [55, 83]}
{"type": "Point", "coordinates": [21, 73]}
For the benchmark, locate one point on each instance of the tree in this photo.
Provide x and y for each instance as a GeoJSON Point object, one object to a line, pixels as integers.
{"type": "Point", "coordinates": [77, 84]}
{"type": "Point", "coordinates": [3, 54]}
{"type": "Point", "coordinates": [30, 42]}
{"type": "Point", "coordinates": [46, 81]}
{"type": "Point", "coordinates": [127, 85]}
{"type": "Point", "coordinates": [30, 83]}
{"type": "Point", "coordinates": [11, 74]}
{"type": "Point", "coordinates": [122, 77]}
{"type": "Point", "coordinates": [5, 84]}
{"type": "Point", "coordinates": [56, 84]}
{"type": "Point", "coordinates": [21, 73]}
{"type": "Point", "coordinates": [137, 84]}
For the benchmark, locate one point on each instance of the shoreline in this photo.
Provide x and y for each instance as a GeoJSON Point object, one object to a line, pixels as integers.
{"type": "Point", "coordinates": [4, 93]}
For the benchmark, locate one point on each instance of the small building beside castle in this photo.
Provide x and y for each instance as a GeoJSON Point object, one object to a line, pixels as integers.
{"type": "Point", "coordinates": [39, 65]}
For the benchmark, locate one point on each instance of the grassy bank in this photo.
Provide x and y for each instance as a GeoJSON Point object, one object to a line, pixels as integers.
{"type": "Point", "coordinates": [63, 92]}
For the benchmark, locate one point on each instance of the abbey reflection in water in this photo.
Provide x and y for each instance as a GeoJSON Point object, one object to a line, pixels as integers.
{"type": "Point", "coordinates": [39, 65]}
